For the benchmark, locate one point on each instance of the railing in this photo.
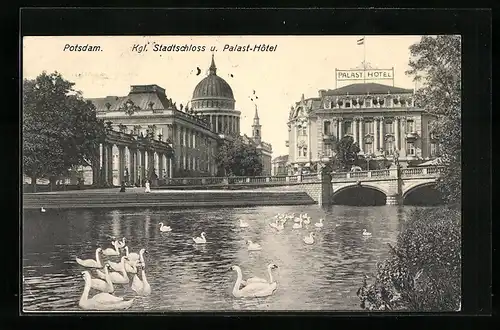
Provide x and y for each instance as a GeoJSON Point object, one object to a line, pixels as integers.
{"type": "Point", "coordinates": [313, 177]}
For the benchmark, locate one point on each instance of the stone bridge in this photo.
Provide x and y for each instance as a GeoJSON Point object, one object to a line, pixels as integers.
{"type": "Point", "coordinates": [394, 183]}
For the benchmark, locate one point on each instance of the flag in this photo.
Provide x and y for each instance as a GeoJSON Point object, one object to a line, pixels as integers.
{"type": "Point", "coordinates": [361, 41]}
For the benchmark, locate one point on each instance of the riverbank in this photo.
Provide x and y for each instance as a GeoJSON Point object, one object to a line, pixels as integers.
{"type": "Point", "coordinates": [136, 197]}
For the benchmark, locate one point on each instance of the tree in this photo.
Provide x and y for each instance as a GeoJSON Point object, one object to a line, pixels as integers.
{"type": "Point", "coordinates": [436, 61]}
{"type": "Point", "coordinates": [346, 153]}
{"type": "Point", "coordinates": [60, 128]}
{"type": "Point", "coordinates": [238, 158]}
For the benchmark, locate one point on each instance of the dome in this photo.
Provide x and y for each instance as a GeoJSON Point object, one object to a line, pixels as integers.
{"type": "Point", "coordinates": [213, 91]}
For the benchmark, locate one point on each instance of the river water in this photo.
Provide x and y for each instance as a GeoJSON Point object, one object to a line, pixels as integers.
{"type": "Point", "coordinates": [189, 277]}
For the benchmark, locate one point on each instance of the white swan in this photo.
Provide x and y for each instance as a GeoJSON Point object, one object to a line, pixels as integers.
{"type": "Point", "coordinates": [42, 209]}
{"type": "Point", "coordinates": [280, 225]}
{"type": "Point", "coordinates": [142, 288]}
{"type": "Point", "coordinates": [297, 219]}
{"type": "Point", "coordinates": [132, 256]}
{"type": "Point", "coordinates": [164, 228]}
{"type": "Point", "coordinates": [319, 224]}
{"type": "Point", "coordinates": [307, 220]}
{"type": "Point", "coordinates": [121, 243]}
{"type": "Point", "coordinates": [243, 224]}
{"type": "Point", "coordinates": [119, 278]}
{"type": "Point", "coordinates": [118, 266]}
{"type": "Point", "coordinates": [274, 224]}
{"type": "Point", "coordinates": [365, 233]}
{"type": "Point", "coordinates": [309, 239]}
{"type": "Point", "coordinates": [103, 285]}
{"type": "Point", "coordinates": [255, 289]}
{"type": "Point", "coordinates": [253, 246]}
{"type": "Point", "coordinates": [101, 301]}
{"type": "Point", "coordinates": [298, 225]}
{"type": "Point", "coordinates": [130, 266]}
{"type": "Point", "coordinates": [270, 267]}
{"type": "Point", "coordinates": [110, 251]}
{"type": "Point", "coordinates": [91, 263]}
{"type": "Point", "coordinates": [200, 240]}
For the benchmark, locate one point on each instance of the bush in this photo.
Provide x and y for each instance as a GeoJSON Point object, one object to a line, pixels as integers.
{"type": "Point", "coordinates": [423, 272]}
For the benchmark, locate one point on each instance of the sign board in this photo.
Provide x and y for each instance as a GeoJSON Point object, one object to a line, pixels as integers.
{"type": "Point", "coordinates": [366, 74]}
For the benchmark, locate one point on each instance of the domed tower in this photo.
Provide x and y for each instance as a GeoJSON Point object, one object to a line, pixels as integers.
{"type": "Point", "coordinates": [213, 99]}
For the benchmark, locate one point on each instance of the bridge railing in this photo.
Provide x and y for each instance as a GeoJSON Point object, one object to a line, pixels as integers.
{"type": "Point", "coordinates": [422, 171]}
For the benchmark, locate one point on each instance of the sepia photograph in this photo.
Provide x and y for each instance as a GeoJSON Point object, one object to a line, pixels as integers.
{"type": "Point", "coordinates": [241, 173]}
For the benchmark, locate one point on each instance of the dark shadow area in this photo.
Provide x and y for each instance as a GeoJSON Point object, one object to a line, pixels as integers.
{"type": "Point", "coordinates": [359, 196]}
{"type": "Point", "coordinates": [426, 195]}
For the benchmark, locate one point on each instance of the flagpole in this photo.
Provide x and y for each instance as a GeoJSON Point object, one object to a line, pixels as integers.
{"type": "Point", "coordinates": [364, 59]}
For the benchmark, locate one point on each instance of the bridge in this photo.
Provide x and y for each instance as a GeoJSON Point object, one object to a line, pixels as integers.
{"type": "Point", "coordinates": [394, 184]}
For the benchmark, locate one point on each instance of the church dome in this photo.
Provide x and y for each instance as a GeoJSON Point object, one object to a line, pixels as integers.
{"type": "Point", "coordinates": [213, 92]}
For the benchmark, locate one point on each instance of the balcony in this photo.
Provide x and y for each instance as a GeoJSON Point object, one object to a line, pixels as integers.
{"type": "Point", "coordinates": [411, 136]}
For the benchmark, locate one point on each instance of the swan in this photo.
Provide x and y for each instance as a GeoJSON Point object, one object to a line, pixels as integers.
{"type": "Point", "coordinates": [243, 224]}
{"type": "Point", "coordinates": [297, 225]}
{"type": "Point", "coordinates": [119, 278]}
{"type": "Point", "coordinates": [319, 224]}
{"type": "Point", "coordinates": [42, 209]}
{"type": "Point", "coordinates": [121, 243]}
{"type": "Point", "coordinates": [280, 225]}
{"type": "Point", "coordinates": [91, 263]}
{"type": "Point", "coordinates": [142, 288]}
{"type": "Point", "coordinates": [274, 224]}
{"type": "Point", "coordinates": [131, 256]}
{"type": "Point", "coordinates": [309, 239]}
{"type": "Point", "coordinates": [164, 228]}
{"type": "Point", "coordinates": [101, 301]}
{"type": "Point", "coordinates": [253, 246]}
{"type": "Point", "coordinates": [110, 251]}
{"type": "Point", "coordinates": [297, 219]}
{"type": "Point", "coordinates": [365, 233]}
{"type": "Point", "coordinates": [307, 220]}
{"type": "Point", "coordinates": [118, 266]}
{"type": "Point", "coordinates": [270, 267]}
{"type": "Point", "coordinates": [131, 266]}
{"type": "Point", "coordinates": [254, 289]}
{"type": "Point", "coordinates": [200, 240]}
{"type": "Point", "coordinates": [304, 215]}
{"type": "Point", "coordinates": [103, 285]}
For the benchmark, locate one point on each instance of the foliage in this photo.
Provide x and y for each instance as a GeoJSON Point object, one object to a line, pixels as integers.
{"type": "Point", "coordinates": [346, 153]}
{"type": "Point", "coordinates": [437, 62]}
{"type": "Point", "coordinates": [423, 272]}
{"type": "Point", "coordinates": [60, 129]}
{"type": "Point", "coordinates": [238, 158]}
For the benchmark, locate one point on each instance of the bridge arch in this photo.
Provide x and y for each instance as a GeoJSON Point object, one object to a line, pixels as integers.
{"type": "Point", "coordinates": [372, 195]}
{"type": "Point", "coordinates": [429, 194]}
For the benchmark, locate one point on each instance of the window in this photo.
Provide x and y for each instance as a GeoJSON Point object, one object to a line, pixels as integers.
{"type": "Point", "coordinates": [368, 147]}
{"type": "Point", "coordinates": [348, 127]}
{"type": "Point", "coordinates": [410, 126]}
{"type": "Point", "coordinates": [182, 137]}
{"type": "Point", "coordinates": [433, 150]}
{"type": "Point", "coordinates": [327, 128]}
{"type": "Point", "coordinates": [304, 151]}
{"type": "Point", "coordinates": [368, 103]}
{"type": "Point", "coordinates": [304, 131]}
{"type": "Point", "coordinates": [410, 149]}
{"type": "Point", "coordinates": [328, 150]}
{"type": "Point", "coordinates": [389, 127]}
{"type": "Point", "coordinates": [389, 145]}
{"type": "Point", "coordinates": [348, 104]}
{"type": "Point", "coordinates": [368, 129]}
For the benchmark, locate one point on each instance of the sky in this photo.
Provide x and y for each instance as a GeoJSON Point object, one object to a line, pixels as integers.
{"type": "Point", "coordinates": [299, 65]}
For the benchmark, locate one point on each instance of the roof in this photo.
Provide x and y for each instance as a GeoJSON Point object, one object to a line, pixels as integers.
{"type": "Point", "coordinates": [365, 88]}
{"type": "Point", "coordinates": [283, 158]}
{"type": "Point", "coordinates": [141, 95]}
{"type": "Point", "coordinates": [212, 86]}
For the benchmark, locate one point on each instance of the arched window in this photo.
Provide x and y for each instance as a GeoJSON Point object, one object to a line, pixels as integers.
{"type": "Point", "coordinates": [327, 129]}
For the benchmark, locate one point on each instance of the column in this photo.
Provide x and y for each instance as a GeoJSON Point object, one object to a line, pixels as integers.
{"type": "Point", "coordinates": [375, 134]}
{"type": "Point", "coordinates": [341, 133]}
{"type": "Point", "coordinates": [381, 141]}
{"type": "Point", "coordinates": [104, 162]}
{"type": "Point", "coordinates": [217, 124]}
{"type": "Point", "coordinates": [110, 164]}
{"type": "Point", "coordinates": [143, 165]}
{"type": "Point", "coordinates": [151, 162]}
{"type": "Point", "coordinates": [237, 125]}
{"type": "Point", "coordinates": [160, 165]}
{"type": "Point", "coordinates": [131, 165]}
{"type": "Point", "coordinates": [360, 134]}
{"type": "Point", "coordinates": [170, 169]}
{"type": "Point", "coordinates": [355, 129]}
{"type": "Point", "coordinates": [121, 164]}
{"type": "Point", "coordinates": [396, 132]}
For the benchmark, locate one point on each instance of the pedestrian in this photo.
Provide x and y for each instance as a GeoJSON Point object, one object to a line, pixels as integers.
{"type": "Point", "coordinates": [122, 189]}
{"type": "Point", "coordinates": [148, 189]}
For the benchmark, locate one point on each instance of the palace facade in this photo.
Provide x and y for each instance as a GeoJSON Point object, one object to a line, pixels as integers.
{"type": "Point", "coordinates": [194, 131]}
{"type": "Point", "coordinates": [381, 119]}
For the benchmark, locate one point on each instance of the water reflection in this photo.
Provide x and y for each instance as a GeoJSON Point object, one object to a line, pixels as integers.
{"type": "Point", "coordinates": [188, 276]}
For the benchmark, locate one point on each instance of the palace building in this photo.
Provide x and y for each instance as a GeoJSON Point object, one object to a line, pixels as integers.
{"type": "Point", "coordinates": [381, 119]}
{"type": "Point", "coordinates": [194, 132]}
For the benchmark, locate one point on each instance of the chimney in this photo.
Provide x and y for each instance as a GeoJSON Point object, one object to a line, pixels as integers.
{"type": "Point", "coordinates": [321, 93]}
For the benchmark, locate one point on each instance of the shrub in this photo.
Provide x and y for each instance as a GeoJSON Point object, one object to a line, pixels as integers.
{"type": "Point", "coordinates": [423, 272]}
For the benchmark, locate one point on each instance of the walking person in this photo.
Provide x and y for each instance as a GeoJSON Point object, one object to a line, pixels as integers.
{"type": "Point", "coordinates": [122, 188]}
{"type": "Point", "coordinates": [148, 187]}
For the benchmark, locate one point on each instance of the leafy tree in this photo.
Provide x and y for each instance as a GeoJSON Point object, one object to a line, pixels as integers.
{"type": "Point", "coordinates": [436, 61]}
{"type": "Point", "coordinates": [346, 153]}
{"type": "Point", "coordinates": [423, 272]}
{"type": "Point", "coordinates": [237, 158]}
{"type": "Point", "coordinates": [60, 128]}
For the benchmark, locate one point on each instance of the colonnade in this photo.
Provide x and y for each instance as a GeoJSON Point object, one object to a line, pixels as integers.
{"type": "Point", "coordinates": [227, 124]}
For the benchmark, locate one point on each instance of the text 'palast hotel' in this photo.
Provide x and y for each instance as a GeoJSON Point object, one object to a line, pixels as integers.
{"type": "Point", "coordinates": [382, 120]}
{"type": "Point", "coordinates": [195, 132]}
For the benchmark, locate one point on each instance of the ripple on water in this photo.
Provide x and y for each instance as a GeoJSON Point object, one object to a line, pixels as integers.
{"type": "Point", "coordinates": [186, 276]}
